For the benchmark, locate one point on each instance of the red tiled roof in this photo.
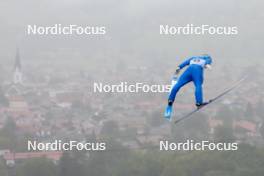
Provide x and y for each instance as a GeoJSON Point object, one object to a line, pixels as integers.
{"type": "Point", "coordinates": [16, 98]}
{"type": "Point", "coordinates": [214, 122]}
{"type": "Point", "coordinates": [28, 155]}
{"type": "Point", "coordinates": [246, 125]}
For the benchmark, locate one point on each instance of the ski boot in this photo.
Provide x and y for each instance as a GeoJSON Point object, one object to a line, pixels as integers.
{"type": "Point", "coordinates": [200, 105]}
{"type": "Point", "coordinates": [168, 112]}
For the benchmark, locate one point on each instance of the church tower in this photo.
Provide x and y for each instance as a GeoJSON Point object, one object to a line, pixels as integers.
{"type": "Point", "coordinates": [17, 75]}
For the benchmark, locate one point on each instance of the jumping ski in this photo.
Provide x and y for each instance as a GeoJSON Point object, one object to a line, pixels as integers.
{"type": "Point", "coordinates": [212, 100]}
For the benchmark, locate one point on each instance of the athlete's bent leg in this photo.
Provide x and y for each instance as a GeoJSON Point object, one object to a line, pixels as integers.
{"type": "Point", "coordinates": [184, 79]}
{"type": "Point", "coordinates": [198, 82]}
{"type": "Point", "coordinates": [199, 93]}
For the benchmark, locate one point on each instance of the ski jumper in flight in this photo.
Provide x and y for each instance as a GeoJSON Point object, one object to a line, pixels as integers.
{"type": "Point", "coordinates": [194, 73]}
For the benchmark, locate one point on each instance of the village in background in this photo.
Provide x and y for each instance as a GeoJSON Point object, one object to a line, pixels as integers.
{"type": "Point", "coordinates": [45, 104]}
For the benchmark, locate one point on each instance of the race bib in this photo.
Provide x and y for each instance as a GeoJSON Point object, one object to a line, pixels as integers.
{"type": "Point", "coordinates": [198, 61]}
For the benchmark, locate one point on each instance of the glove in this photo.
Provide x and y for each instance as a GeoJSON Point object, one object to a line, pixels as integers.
{"type": "Point", "coordinates": [178, 69]}
{"type": "Point", "coordinates": [208, 66]}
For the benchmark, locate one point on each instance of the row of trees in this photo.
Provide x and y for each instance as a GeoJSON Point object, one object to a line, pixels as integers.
{"type": "Point", "coordinates": [119, 162]}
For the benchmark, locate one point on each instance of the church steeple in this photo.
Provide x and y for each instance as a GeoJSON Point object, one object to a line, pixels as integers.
{"type": "Point", "coordinates": [17, 79]}
{"type": "Point", "coordinates": [17, 61]}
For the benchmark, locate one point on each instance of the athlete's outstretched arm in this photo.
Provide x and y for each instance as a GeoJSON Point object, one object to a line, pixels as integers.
{"type": "Point", "coordinates": [186, 62]}
{"type": "Point", "coordinates": [208, 63]}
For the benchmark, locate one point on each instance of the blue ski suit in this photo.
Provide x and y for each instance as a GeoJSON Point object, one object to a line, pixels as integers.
{"type": "Point", "coordinates": [193, 73]}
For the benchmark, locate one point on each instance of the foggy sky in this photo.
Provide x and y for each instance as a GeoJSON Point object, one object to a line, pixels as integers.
{"type": "Point", "coordinates": [132, 29]}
